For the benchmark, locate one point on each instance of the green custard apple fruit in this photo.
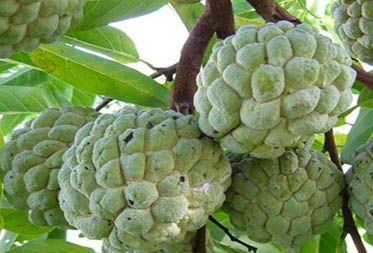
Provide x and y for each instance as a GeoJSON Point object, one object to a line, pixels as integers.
{"type": "Point", "coordinates": [142, 179]}
{"type": "Point", "coordinates": [32, 158]}
{"type": "Point", "coordinates": [286, 200]}
{"type": "Point", "coordinates": [360, 185]}
{"type": "Point", "coordinates": [269, 87]}
{"type": "Point", "coordinates": [24, 24]}
{"type": "Point", "coordinates": [354, 25]}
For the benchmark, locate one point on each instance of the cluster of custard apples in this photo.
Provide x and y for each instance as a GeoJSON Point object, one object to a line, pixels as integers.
{"type": "Point", "coordinates": [145, 180]}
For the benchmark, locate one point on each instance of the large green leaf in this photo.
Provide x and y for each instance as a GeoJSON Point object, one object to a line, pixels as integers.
{"type": "Point", "coordinates": [80, 98]}
{"type": "Point", "coordinates": [106, 40]}
{"type": "Point", "coordinates": [9, 122]}
{"type": "Point", "coordinates": [5, 66]}
{"type": "Point", "coordinates": [17, 222]}
{"type": "Point", "coordinates": [330, 240]}
{"type": "Point", "coordinates": [359, 134]}
{"type": "Point", "coordinates": [95, 75]}
{"type": "Point", "coordinates": [366, 98]}
{"type": "Point", "coordinates": [18, 99]}
{"type": "Point", "coordinates": [50, 245]}
{"type": "Point", "coordinates": [189, 13]}
{"type": "Point", "coordinates": [1, 138]}
{"type": "Point", "coordinates": [25, 77]}
{"type": "Point", "coordinates": [102, 12]}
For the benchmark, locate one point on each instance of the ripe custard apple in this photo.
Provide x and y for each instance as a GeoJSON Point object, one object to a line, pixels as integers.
{"type": "Point", "coordinates": [270, 87]}
{"type": "Point", "coordinates": [354, 25]}
{"type": "Point", "coordinates": [142, 178]}
{"type": "Point", "coordinates": [286, 200]}
{"type": "Point", "coordinates": [360, 185]}
{"type": "Point", "coordinates": [32, 159]}
{"type": "Point", "coordinates": [24, 24]}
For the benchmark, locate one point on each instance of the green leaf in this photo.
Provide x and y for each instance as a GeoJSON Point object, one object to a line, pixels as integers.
{"type": "Point", "coordinates": [79, 98]}
{"type": "Point", "coordinates": [311, 246]}
{"type": "Point", "coordinates": [5, 66]}
{"type": "Point", "coordinates": [17, 222]}
{"type": "Point", "coordinates": [50, 245]}
{"type": "Point", "coordinates": [1, 138]}
{"type": "Point", "coordinates": [106, 40]}
{"type": "Point", "coordinates": [329, 240]}
{"type": "Point", "coordinates": [25, 77]}
{"type": "Point", "coordinates": [7, 240]}
{"type": "Point", "coordinates": [95, 75]}
{"type": "Point", "coordinates": [102, 12]}
{"type": "Point", "coordinates": [189, 13]}
{"type": "Point", "coordinates": [368, 238]}
{"type": "Point", "coordinates": [366, 98]}
{"type": "Point", "coordinates": [359, 134]}
{"type": "Point", "coordinates": [18, 99]}
{"type": "Point", "coordinates": [9, 122]}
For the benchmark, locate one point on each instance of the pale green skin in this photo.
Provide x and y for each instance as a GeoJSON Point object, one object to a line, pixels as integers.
{"type": "Point", "coordinates": [24, 24]}
{"type": "Point", "coordinates": [360, 185]}
{"type": "Point", "coordinates": [287, 200]}
{"type": "Point", "coordinates": [354, 25]}
{"type": "Point", "coordinates": [32, 158]}
{"type": "Point", "coordinates": [142, 178]}
{"type": "Point", "coordinates": [268, 88]}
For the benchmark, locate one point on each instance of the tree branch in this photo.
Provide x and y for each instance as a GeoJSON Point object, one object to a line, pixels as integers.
{"type": "Point", "coordinates": [349, 224]}
{"type": "Point", "coordinates": [365, 77]}
{"type": "Point", "coordinates": [218, 17]}
{"type": "Point", "coordinates": [104, 103]}
{"type": "Point", "coordinates": [272, 12]}
{"type": "Point", "coordinates": [231, 236]}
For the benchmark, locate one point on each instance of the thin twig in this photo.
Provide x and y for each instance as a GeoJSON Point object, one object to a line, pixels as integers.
{"type": "Point", "coordinates": [273, 12]}
{"type": "Point", "coordinates": [349, 225]}
{"type": "Point", "coordinates": [104, 103]}
{"type": "Point", "coordinates": [231, 236]}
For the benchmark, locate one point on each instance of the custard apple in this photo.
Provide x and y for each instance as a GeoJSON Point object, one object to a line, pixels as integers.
{"type": "Point", "coordinates": [286, 200]}
{"type": "Point", "coordinates": [24, 24]}
{"type": "Point", "coordinates": [360, 185]}
{"type": "Point", "coordinates": [354, 25]}
{"type": "Point", "coordinates": [32, 159]}
{"type": "Point", "coordinates": [142, 178]}
{"type": "Point", "coordinates": [182, 247]}
{"type": "Point", "coordinates": [268, 88]}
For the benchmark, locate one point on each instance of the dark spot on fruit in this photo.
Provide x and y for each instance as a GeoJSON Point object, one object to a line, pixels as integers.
{"type": "Point", "coordinates": [216, 132]}
{"type": "Point", "coordinates": [182, 179]}
{"type": "Point", "coordinates": [371, 212]}
{"type": "Point", "coordinates": [128, 138]}
{"type": "Point", "coordinates": [129, 218]}
{"type": "Point", "coordinates": [149, 125]}
{"type": "Point", "coordinates": [131, 202]}
{"type": "Point", "coordinates": [88, 143]}
{"type": "Point", "coordinates": [175, 117]}
{"type": "Point", "coordinates": [86, 168]}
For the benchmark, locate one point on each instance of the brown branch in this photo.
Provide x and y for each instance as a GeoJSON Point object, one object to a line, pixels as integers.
{"type": "Point", "coordinates": [349, 224]}
{"type": "Point", "coordinates": [231, 236]}
{"type": "Point", "coordinates": [104, 103]}
{"type": "Point", "coordinates": [272, 12]}
{"type": "Point", "coordinates": [365, 77]}
{"type": "Point", "coordinates": [218, 17]}
{"type": "Point", "coordinates": [167, 72]}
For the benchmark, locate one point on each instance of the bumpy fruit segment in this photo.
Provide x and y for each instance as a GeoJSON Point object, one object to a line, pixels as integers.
{"type": "Point", "coordinates": [143, 179]}
{"type": "Point", "coordinates": [354, 25]}
{"type": "Point", "coordinates": [286, 200]}
{"type": "Point", "coordinates": [270, 87]}
{"type": "Point", "coordinates": [24, 24]}
{"type": "Point", "coordinates": [360, 185]}
{"type": "Point", "coordinates": [32, 158]}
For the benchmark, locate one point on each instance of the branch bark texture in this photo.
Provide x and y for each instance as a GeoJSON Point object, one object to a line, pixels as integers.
{"type": "Point", "coordinates": [218, 17]}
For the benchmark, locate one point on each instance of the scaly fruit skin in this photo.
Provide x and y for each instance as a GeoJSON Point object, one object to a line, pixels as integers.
{"type": "Point", "coordinates": [360, 185]}
{"type": "Point", "coordinates": [286, 200]}
{"type": "Point", "coordinates": [24, 24]}
{"type": "Point", "coordinates": [268, 88]}
{"type": "Point", "coordinates": [142, 178]}
{"type": "Point", "coordinates": [354, 25]}
{"type": "Point", "coordinates": [32, 159]}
